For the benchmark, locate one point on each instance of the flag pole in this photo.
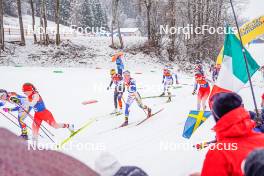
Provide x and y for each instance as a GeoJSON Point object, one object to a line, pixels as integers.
{"type": "Point", "coordinates": [246, 61]}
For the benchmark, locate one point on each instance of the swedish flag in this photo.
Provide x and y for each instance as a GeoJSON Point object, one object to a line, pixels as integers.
{"type": "Point", "coordinates": [194, 120]}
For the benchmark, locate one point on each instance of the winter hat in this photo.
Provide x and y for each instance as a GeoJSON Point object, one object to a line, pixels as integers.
{"type": "Point", "coordinates": [28, 87]}
{"type": "Point", "coordinates": [225, 102]}
{"type": "Point", "coordinates": [254, 165]}
{"type": "Point", "coordinates": [107, 165]}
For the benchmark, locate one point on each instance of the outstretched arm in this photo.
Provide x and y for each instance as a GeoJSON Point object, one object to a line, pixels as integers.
{"type": "Point", "coordinates": [35, 99]}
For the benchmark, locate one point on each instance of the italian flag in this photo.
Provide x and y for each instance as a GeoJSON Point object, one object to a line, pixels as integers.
{"type": "Point", "coordinates": [233, 75]}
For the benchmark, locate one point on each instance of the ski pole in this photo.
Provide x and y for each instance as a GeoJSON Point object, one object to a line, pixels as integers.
{"type": "Point", "coordinates": [35, 122]}
{"type": "Point", "coordinates": [32, 118]}
{"type": "Point", "coordinates": [25, 123]}
{"type": "Point", "coordinates": [10, 119]}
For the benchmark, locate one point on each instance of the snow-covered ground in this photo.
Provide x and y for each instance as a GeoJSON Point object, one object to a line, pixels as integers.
{"type": "Point", "coordinates": [157, 145]}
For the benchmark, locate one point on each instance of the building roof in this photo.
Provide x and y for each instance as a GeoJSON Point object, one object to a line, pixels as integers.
{"type": "Point", "coordinates": [128, 30]}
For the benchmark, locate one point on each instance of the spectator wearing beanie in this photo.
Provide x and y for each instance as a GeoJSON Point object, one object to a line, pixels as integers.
{"type": "Point", "coordinates": [234, 134]}
{"type": "Point", "coordinates": [107, 165]}
{"type": "Point", "coordinates": [254, 165]}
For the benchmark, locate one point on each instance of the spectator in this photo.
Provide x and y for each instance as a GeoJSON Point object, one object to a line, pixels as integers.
{"type": "Point", "coordinates": [108, 165]}
{"type": "Point", "coordinates": [262, 102]}
{"type": "Point", "coordinates": [234, 134]}
{"type": "Point", "coordinates": [17, 159]}
{"type": "Point", "coordinates": [259, 126]}
{"type": "Point", "coordinates": [254, 165]}
{"type": "Point", "coordinates": [262, 72]}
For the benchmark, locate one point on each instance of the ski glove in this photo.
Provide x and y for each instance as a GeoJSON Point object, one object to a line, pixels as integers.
{"type": "Point", "coordinates": [194, 92]}
{"type": "Point", "coordinates": [6, 109]}
{"type": "Point", "coordinates": [201, 145]}
{"type": "Point", "coordinates": [15, 100]}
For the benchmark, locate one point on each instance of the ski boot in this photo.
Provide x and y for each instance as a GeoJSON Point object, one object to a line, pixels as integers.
{"type": "Point", "coordinates": [24, 136]}
{"type": "Point", "coordinates": [120, 112]}
{"type": "Point", "coordinates": [71, 128]}
{"type": "Point", "coordinates": [149, 113]}
{"type": "Point", "coordinates": [161, 95]}
{"type": "Point", "coordinates": [125, 122]}
{"type": "Point", "coordinates": [114, 112]}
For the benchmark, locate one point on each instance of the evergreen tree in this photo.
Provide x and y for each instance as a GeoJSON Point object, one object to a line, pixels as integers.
{"type": "Point", "coordinates": [65, 12]}
{"type": "Point", "coordinates": [100, 19]}
{"type": "Point", "coordinates": [87, 14]}
{"type": "Point", "coordinates": [10, 7]}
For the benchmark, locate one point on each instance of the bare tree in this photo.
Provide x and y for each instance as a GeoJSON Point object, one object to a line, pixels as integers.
{"type": "Point", "coordinates": [33, 20]}
{"type": "Point", "coordinates": [172, 21]}
{"type": "Point", "coordinates": [22, 42]}
{"type": "Point", "coordinates": [57, 17]}
{"type": "Point", "coordinates": [46, 39]}
{"type": "Point", "coordinates": [41, 36]}
{"type": "Point", "coordinates": [115, 21]}
{"type": "Point", "coordinates": [2, 38]}
{"type": "Point", "coordinates": [148, 5]}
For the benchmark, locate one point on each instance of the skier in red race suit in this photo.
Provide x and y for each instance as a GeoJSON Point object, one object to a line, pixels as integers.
{"type": "Point", "coordinates": [203, 92]}
{"type": "Point", "coordinates": [41, 113]}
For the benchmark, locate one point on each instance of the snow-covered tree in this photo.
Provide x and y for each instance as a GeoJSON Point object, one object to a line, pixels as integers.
{"type": "Point", "coordinates": [88, 19]}
{"type": "Point", "coordinates": [100, 19]}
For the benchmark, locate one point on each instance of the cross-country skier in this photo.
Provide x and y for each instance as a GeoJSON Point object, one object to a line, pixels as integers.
{"type": "Point", "coordinates": [203, 92]}
{"type": "Point", "coordinates": [174, 73]}
{"type": "Point", "coordinates": [41, 112]}
{"type": "Point", "coordinates": [215, 72]}
{"type": "Point", "coordinates": [262, 72]}
{"type": "Point", "coordinates": [132, 95]}
{"type": "Point", "coordinates": [117, 58]}
{"type": "Point", "coordinates": [13, 98]}
{"type": "Point", "coordinates": [167, 81]}
{"type": "Point", "coordinates": [119, 90]}
{"type": "Point", "coordinates": [199, 68]}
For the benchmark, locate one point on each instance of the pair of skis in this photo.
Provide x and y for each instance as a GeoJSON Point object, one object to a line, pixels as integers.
{"type": "Point", "coordinates": [158, 96]}
{"type": "Point", "coordinates": [136, 123]}
{"type": "Point", "coordinates": [91, 121]}
{"type": "Point", "coordinates": [85, 126]}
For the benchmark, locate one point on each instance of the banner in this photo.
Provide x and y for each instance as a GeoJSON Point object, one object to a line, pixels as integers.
{"type": "Point", "coordinates": [249, 32]}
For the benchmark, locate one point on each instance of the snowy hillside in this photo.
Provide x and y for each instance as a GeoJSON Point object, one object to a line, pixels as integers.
{"type": "Point", "coordinates": [156, 146]}
{"type": "Point", "coordinates": [76, 50]}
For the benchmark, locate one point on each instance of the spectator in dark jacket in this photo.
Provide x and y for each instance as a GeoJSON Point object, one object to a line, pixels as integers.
{"type": "Point", "coordinates": [107, 165]}
{"type": "Point", "coordinates": [254, 165]}
{"type": "Point", "coordinates": [234, 134]}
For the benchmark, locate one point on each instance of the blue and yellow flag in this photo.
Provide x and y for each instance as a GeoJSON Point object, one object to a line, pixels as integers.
{"type": "Point", "coordinates": [194, 120]}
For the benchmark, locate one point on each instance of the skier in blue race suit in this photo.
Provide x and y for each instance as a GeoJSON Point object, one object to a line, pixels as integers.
{"type": "Point", "coordinates": [21, 106]}
{"type": "Point", "coordinates": [132, 95]}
